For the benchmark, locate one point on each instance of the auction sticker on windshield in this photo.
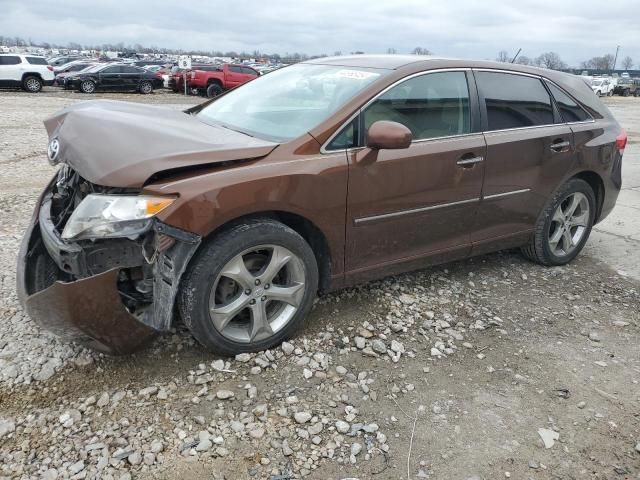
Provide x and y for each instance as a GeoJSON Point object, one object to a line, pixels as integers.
{"type": "Point", "coordinates": [356, 74]}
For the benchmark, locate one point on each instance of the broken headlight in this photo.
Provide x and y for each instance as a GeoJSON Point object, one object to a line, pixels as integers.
{"type": "Point", "coordinates": [113, 216]}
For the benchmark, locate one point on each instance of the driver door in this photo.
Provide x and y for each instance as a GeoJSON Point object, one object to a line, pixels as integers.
{"type": "Point", "coordinates": [415, 206]}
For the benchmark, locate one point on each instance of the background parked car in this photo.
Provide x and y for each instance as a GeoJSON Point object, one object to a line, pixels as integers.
{"type": "Point", "coordinates": [61, 78]}
{"type": "Point", "coordinates": [603, 87]}
{"type": "Point", "coordinates": [627, 86]}
{"type": "Point", "coordinates": [213, 83]}
{"type": "Point", "coordinates": [115, 77]}
{"type": "Point", "coordinates": [27, 71]}
{"type": "Point", "coordinates": [176, 82]}
{"type": "Point", "coordinates": [57, 61]}
{"type": "Point", "coordinates": [67, 67]}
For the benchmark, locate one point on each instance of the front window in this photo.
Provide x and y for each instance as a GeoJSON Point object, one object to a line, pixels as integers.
{"type": "Point", "coordinates": [431, 106]}
{"type": "Point", "coordinates": [289, 102]}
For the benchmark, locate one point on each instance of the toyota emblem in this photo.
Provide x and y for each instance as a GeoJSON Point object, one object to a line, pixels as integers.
{"type": "Point", "coordinates": [53, 151]}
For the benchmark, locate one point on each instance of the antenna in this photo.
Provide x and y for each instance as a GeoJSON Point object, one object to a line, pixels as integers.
{"type": "Point", "coordinates": [514, 58]}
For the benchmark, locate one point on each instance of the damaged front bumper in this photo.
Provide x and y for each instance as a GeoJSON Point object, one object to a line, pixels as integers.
{"type": "Point", "coordinates": [110, 295]}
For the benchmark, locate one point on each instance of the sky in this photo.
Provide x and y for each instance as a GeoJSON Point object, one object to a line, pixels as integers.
{"type": "Point", "coordinates": [576, 29]}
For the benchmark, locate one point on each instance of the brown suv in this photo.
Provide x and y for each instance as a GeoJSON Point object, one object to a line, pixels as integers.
{"type": "Point", "coordinates": [237, 212]}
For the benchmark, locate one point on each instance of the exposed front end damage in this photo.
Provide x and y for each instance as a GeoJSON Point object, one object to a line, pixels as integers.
{"type": "Point", "coordinates": [110, 294]}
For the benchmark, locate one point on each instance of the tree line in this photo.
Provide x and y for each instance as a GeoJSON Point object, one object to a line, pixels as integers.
{"type": "Point", "coordinates": [553, 61]}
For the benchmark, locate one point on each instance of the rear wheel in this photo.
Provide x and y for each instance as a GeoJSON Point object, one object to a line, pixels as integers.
{"type": "Point", "coordinates": [249, 288]}
{"type": "Point", "coordinates": [625, 93]}
{"type": "Point", "coordinates": [32, 84]}
{"type": "Point", "coordinates": [87, 86]}
{"type": "Point", "coordinates": [564, 225]}
{"type": "Point", "coordinates": [146, 88]}
{"type": "Point", "coordinates": [214, 90]}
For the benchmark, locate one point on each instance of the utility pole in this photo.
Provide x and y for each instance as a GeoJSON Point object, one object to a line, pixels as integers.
{"type": "Point", "coordinates": [615, 59]}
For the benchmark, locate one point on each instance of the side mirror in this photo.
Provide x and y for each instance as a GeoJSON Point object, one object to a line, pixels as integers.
{"type": "Point", "coordinates": [385, 135]}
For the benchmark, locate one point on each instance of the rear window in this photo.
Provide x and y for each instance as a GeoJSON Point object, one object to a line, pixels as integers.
{"type": "Point", "coordinates": [36, 60]}
{"type": "Point", "coordinates": [514, 101]}
{"type": "Point", "coordinates": [10, 60]}
{"type": "Point", "coordinates": [235, 69]}
{"type": "Point", "coordinates": [569, 109]}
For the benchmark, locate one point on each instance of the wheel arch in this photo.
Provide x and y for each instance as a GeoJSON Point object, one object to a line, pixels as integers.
{"type": "Point", "coordinates": [308, 230]}
{"type": "Point", "coordinates": [31, 74]}
{"type": "Point", "coordinates": [211, 81]}
{"type": "Point", "coordinates": [597, 184]}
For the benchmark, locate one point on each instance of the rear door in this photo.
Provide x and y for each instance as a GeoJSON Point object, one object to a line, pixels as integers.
{"type": "Point", "coordinates": [130, 77]}
{"type": "Point", "coordinates": [529, 150]}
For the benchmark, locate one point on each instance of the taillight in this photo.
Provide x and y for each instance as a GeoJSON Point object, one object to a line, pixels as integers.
{"type": "Point", "coordinates": [50, 67]}
{"type": "Point", "coordinates": [158, 75]}
{"type": "Point", "coordinates": [621, 141]}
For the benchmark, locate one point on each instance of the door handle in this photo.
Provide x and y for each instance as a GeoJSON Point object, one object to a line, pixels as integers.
{"type": "Point", "coordinates": [468, 162]}
{"type": "Point", "coordinates": [560, 145]}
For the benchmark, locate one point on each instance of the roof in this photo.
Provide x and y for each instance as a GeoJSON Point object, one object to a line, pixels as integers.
{"type": "Point", "coordinates": [390, 62]}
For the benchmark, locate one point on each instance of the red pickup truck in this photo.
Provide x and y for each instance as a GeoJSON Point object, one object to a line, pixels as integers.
{"type": "Point", "coordinates": [213, 83]}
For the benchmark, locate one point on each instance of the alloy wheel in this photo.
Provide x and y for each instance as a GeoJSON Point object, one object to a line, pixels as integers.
{"type": "Point", "coordinates": [569, 224]}
{"type": "Point", "coordinates": [257, 293]}
{"type": "Point", "coordinates": [33, 85]}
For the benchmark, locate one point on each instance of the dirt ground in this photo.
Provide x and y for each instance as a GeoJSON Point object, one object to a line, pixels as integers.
{"type": "Point", "coordinates": [528, 348]}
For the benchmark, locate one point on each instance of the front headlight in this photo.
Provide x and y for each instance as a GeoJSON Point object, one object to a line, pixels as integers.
{"type": "Point", "coordinates": [109, 216]}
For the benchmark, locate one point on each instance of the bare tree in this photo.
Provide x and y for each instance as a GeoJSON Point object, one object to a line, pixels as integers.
{"type": "Point", "coordinates": [599, 63]}
{"type": "Point", "coordinates": [524, 60]}
{"type": "Point", "coordinates": [627, 63]}
{"type": "Point", "coordinates": [503, 56]}
{"type": "Point", "coordinates": [421, 51]}
{"type": "Point", "coordinates": [391, 50]}
{"type": "Point", "coordinates": [550, 60]}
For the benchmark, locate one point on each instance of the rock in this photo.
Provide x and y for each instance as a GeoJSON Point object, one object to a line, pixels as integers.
{"type": "Point", "coordinates": [307, 374]}
{"type": "Point", "coordinates": [149, 458]}
{"type": "Point", "coordinates": [286, 449]}
{"type": "Point", "coordinates": [435, 352]}
{"type": "Point", "coordinates": [340, 370]}
{"type": "Point", "coordinates": [378, 346]}
{"type": "Point", "coordinates": [7, 426]}
{"type": "Point", "coordinates": [256, 433]}
{"type": "Point", "coordinates": [315, 429]}
{"type": "Point", "coordinates": [363, 332]}
{"type": "Point", "coordinates": [638, 447]}
{"type": "Point", "coordinates": [204, 445]}
{"type": "Point", "coordinates": [407, 299]}
{"type": "Point", "coordinates": [620, 323]}
{"type": "Point", "coordinates": [600, 363]}
{"type": "Point", "coordinates": [243, 357]}
{"type": "Point", "coordinates": [581, 405]}
{"type": "Point", "coordinates": [360, 342]}
{"type": "Point", "coordinates": [533, 464]}
{"type": "Point", "coordinates": [103, 400]}
{"type": "Point", "coordinates": [594, 337]}
{"type": "Point", "coordinates": [218, 364]}
{"type": "Point", "coordinates": [135, 458]}
{"type": "Point", "coordinates": [46, 372]}
{"type": "Point", "coordinates": [146, 392]}
{"type": "Point", "coordinates": [356, 448]}
{"type": "Point", "coordinates": [287, 348]}
{"type": "Point", "coordinates": [548, 437]}
{"type": "Point", "coordinates": [342, 426]}
{"type": "Point", "coordinates": [302, 417]}
{"type": "Point", "coordinates": [224, 394]}
{"type": "Point", "coordinates": [50, 474]}
{"type": "Point", "coordinates": [255, 370]}
{"type": "Point", "coordinates": [156, 446]}
{"type": "Point", "coordinates": [76, 467]}
{"type": "Point", "coordinates": [397, 346]}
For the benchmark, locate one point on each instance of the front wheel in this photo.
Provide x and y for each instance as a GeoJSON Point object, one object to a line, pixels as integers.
{"type": "Point", "coordinates": [32, 84]}
{"type": "Point", "coordinates": [564, 225]}
{"type": "Point", "coordinates": [146, 88]}
{"type": "Point", "coordinates": [87, 86]}
{"type": "Point", "coordinates": [249, 288]}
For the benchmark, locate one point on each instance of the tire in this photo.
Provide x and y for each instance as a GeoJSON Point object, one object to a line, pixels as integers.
{"type": "Point", "coordinates": [145, 87]}
{"type": "Point", "coordinates": [32, 84]}
{"type": "Point", "coordinates": [540, 249]}
{"type": "Point", "coordinates": [214, 90]}
{"type": "Point", "coordinates": [205, 289]}
{"type": "Point", "coordinates": [194, 91]}
{"type": "Point", "coordinates": [625, 93]}
{"type": "Point", "coordinates": [87, 86]}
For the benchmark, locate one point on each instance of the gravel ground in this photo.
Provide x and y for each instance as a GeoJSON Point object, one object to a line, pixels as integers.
{"type": "Point", "coordinates": [488, 368]}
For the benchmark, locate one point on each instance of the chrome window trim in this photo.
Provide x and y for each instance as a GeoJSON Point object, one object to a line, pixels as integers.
{"type": "Point", "coordinates": [400, 213]}
{"type": "Point", "coordinates": [323, 148]}
{"type": "Point", "coordinates": [591, 119]}
{"type": "Point", "coordinates": [505, 194]}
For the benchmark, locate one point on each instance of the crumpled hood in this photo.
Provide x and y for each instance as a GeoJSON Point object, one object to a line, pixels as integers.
{"type": "Point", "coordinates": [121, 144]}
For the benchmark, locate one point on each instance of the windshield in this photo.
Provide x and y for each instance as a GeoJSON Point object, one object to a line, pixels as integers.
{"type": "Point", "coordinates": [288, 102]}
{"type": "Point", "coordinates": [95, 68]}
{"type": "Point", "coordinates": [595, 83]}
